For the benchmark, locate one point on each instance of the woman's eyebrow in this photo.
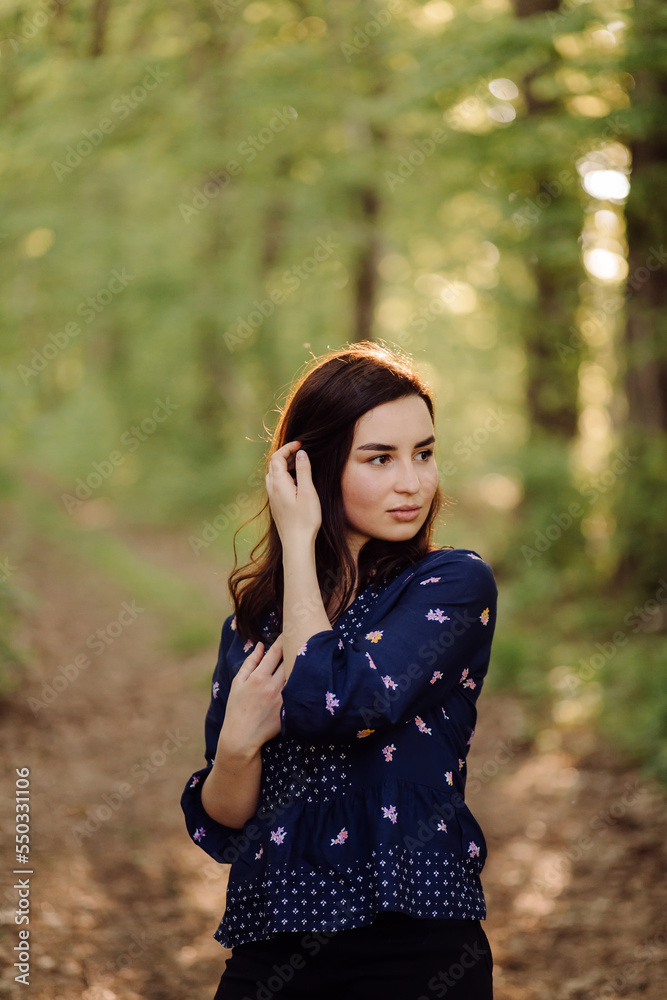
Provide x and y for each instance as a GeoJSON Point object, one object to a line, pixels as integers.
{"type": "Point", "coordinates": [392, 447]}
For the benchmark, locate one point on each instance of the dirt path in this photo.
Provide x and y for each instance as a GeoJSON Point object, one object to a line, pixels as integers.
{"type": "Point", "coordinates": [123, 906]}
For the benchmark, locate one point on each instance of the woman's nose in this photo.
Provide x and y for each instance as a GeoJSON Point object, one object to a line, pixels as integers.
{"type": "Point", "coordinates": [407, 478]}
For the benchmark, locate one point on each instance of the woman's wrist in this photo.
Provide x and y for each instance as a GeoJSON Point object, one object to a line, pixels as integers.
{"type": "Point", "coordinates": [236, 753]}
{"type": "Point", "coordinates": [304, 613]}
{"type": "Point", "coordinates": [297, 544]}
{"type": "Point", "coordinates": [230, 792]}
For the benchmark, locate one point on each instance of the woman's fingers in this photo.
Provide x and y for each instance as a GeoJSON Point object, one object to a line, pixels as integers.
{"type": "Point", "coordinates": [286, 448]}
{"type": "Point", "coordinates": [253, 659]}
{"type": "Point", "coordinates": [262, 658]}
{"type": "Point", "coordinates": [279, 676]}
{"type": "Point", "coordinates": [283, 455]}
{"type": "Point", "coordinates": [273, 656]}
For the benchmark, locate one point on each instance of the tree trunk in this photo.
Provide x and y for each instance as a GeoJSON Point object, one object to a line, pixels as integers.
{"type": "Point", "coordinates": [366, 282]}
{"type": "Point", "coordinates": [552, 383]}
{"type": "Point", "coordinates": [100, 17]}
{"type": "Point", "coordinates": [646, 363]}
{"type": "Point", "coordinates": [639, 500]}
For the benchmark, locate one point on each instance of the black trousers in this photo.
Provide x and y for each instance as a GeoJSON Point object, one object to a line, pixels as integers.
{"type": "Point", "coordinates": [397, 957]}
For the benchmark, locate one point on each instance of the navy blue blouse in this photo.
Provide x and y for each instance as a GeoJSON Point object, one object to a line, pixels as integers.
{"type": "Point", "coordinates": [362, 792]}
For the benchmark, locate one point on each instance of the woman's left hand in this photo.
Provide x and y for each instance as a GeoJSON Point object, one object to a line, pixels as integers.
{"type": "Point", "coordinates": [295, 506]}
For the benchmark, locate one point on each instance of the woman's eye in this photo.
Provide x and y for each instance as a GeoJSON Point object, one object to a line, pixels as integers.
{"type": "Point", "coordinates": [427, 451]}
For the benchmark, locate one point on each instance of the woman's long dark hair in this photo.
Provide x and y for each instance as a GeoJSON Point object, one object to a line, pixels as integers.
{"type": "Point", "coordinates": [321, 411]}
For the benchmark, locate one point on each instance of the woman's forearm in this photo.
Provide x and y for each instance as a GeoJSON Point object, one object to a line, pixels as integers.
{"type": "Point", "coordinates": [303, 608]}
{"type": "Point", "coordinates": [230, 793]}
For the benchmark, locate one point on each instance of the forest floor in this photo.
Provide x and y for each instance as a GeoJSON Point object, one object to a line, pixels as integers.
{"type": "Point", "coordinates": [123, 905]}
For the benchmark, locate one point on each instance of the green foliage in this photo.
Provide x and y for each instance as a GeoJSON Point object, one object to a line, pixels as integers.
{"type": "Point", "coordinates": [634, 711]}
{"type": "Point", "coordinates": [639, 506]}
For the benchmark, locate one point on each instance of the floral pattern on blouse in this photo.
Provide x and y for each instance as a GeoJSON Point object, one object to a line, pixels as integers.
{"type": "Point", "coordinates": [431, 579]}
{"type": "Point", "coordinates": [332, 701]}
{"type": "Point", "coordinates": [216, 688]}
{"type": "Point", "coordinates": [374, 636]}
{"type": "Point", "coordinates": [473, 849]}
{"type": "Point", "coordinates": [437, 615]}
{"type": "Point", "coordinates": [277, 836]}
{"type": "Point", "coordinates": [341, 838]}
{"type": "Point", "coordinates": [370, 662]}
{"type": "Point", "coordinates": [389, 812]}
{"type": "Point", "coordinates": [467, 682]}
{"type": "Point", "coordinates": [364, 732]}
{"type": "Point", "coordinates": [303, 650]}
{"type": "Point", "coordinates": [421, 725]}
{"type": "Point", "coordinates": [249, 644]}
{"type": "Point", "coordinates": [389, 683]}
{"type": "Point", "coordinates": [484, 617]}
{"type": "Point", "coordinates": [437, 676]}
{"type": "Point", "coordinates": [388, 752]}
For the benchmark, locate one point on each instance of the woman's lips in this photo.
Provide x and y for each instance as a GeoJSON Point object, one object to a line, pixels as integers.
{"type": "Point", "coordinates": [405, 515]}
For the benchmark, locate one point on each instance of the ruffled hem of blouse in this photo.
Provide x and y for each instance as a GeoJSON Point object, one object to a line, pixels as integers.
{"type": "Point", "coordinates": [421, 884]}
{"type": "Point", "coordinates": [341, 831]}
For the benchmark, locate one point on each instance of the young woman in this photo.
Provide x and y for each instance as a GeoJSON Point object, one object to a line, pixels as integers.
{"type": "Point", "coordinates": [343, 707]}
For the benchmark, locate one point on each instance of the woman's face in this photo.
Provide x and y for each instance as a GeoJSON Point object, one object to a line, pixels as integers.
{"type": "Point", "coordinates": [391, 465]}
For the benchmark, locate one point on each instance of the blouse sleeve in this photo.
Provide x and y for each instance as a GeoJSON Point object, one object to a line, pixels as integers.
{"type": "Point", "coordinates": [213, 837]}
{"type": "Point", "coordinates": [437, 636]}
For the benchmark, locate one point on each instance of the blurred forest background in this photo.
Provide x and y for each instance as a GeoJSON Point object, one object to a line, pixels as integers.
{"type": "Point", "coordinates": [197, 198]}
{"type": "Point", "coordinates": [484, 187]}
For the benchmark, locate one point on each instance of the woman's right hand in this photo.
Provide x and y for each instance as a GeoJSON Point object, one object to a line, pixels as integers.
{"type": "Point", "coordinates": [252, 715]}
